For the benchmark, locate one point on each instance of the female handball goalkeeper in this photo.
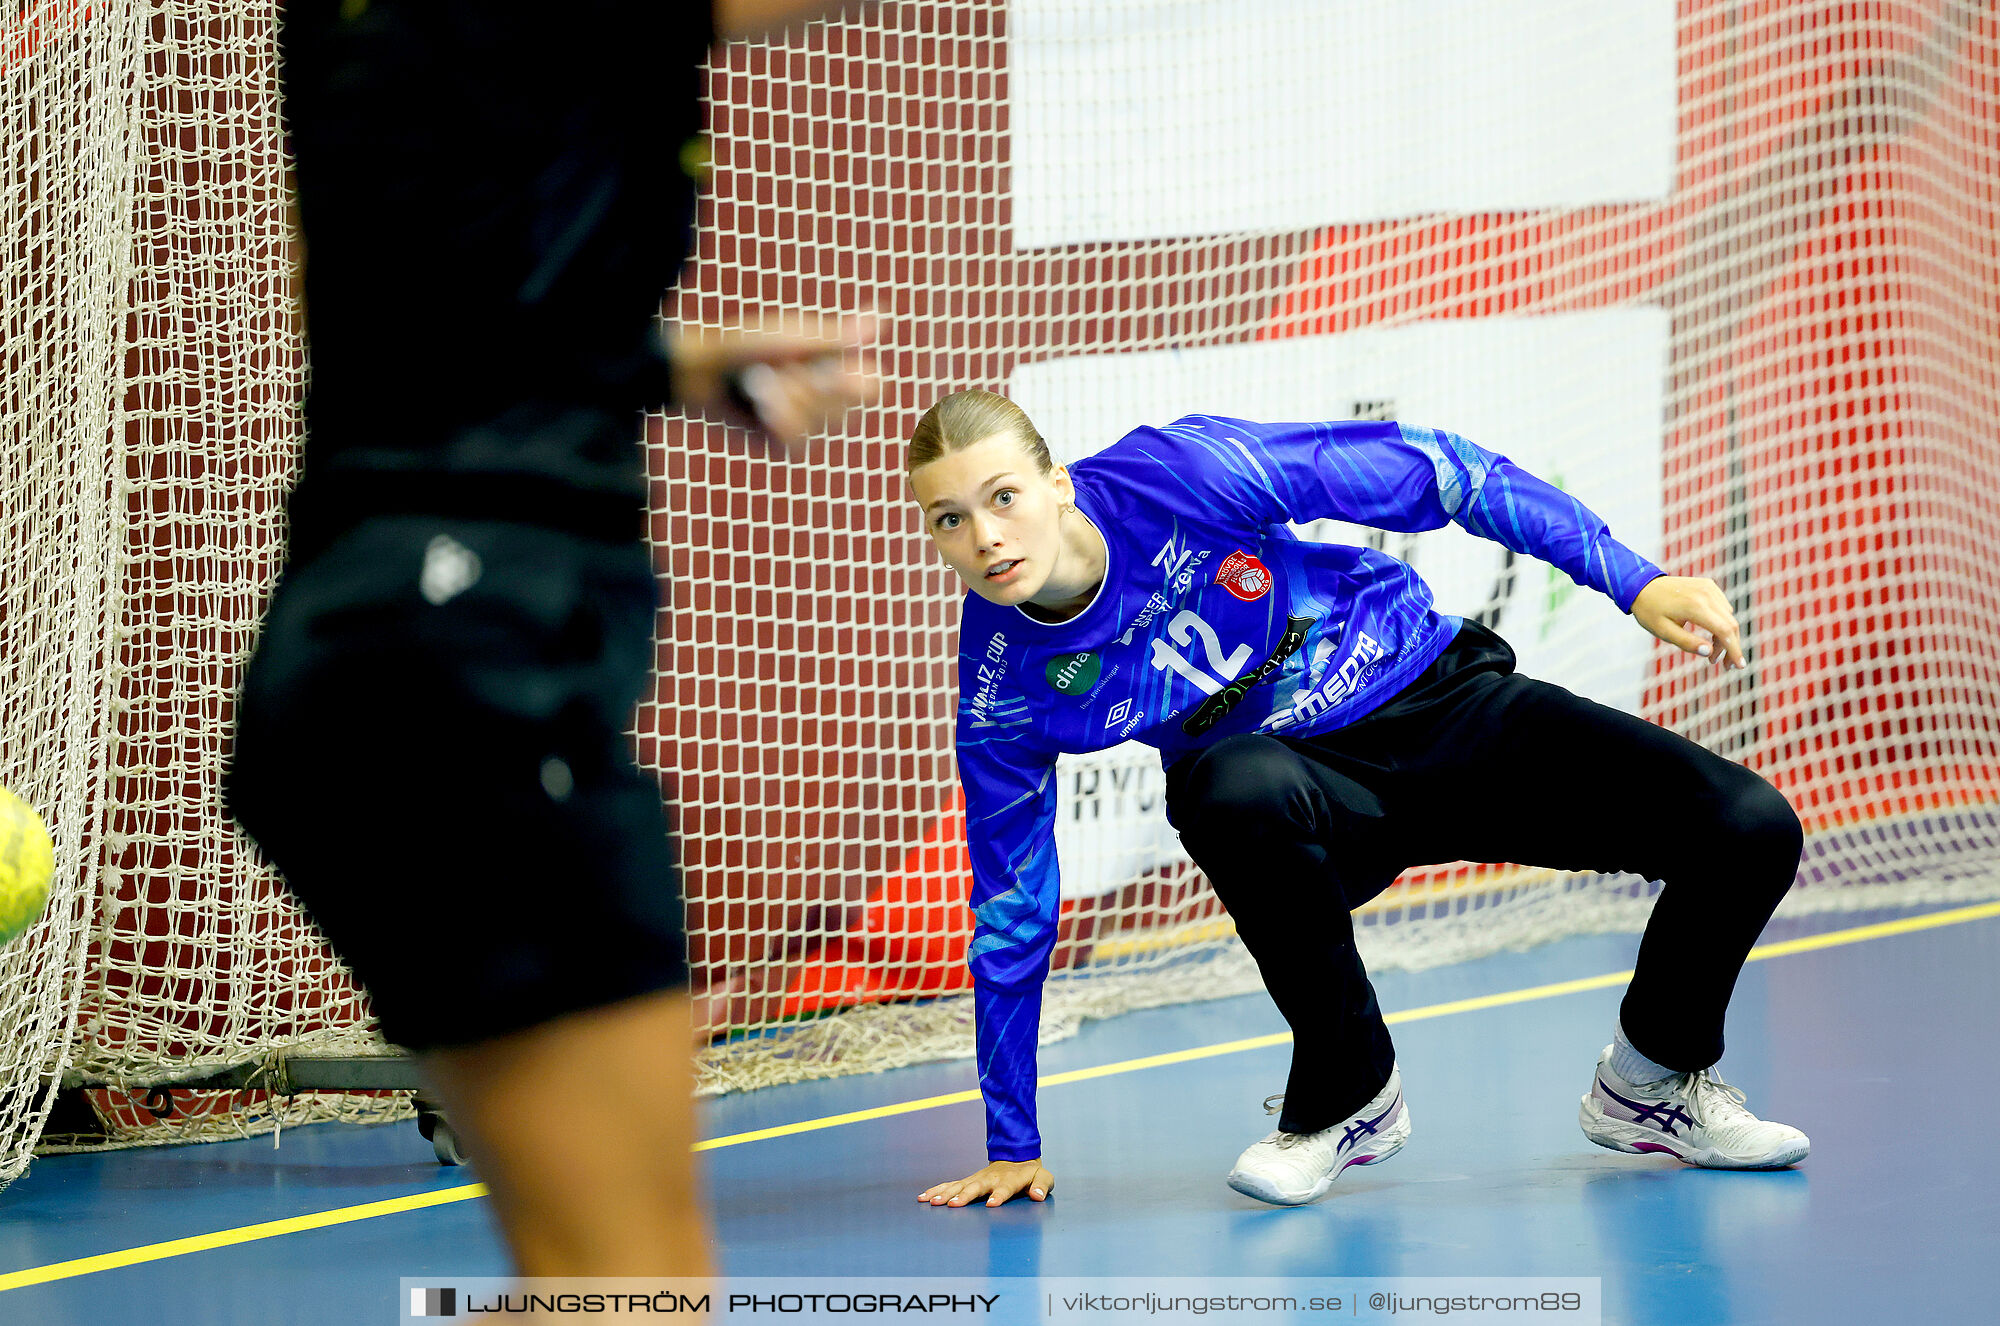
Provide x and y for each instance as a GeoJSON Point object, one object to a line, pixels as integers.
{"type": "Point", "coordinates": [1323, 728]}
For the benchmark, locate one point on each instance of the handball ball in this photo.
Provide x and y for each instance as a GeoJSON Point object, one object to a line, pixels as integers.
{"type": "Point", "coordinates": [27, 859]}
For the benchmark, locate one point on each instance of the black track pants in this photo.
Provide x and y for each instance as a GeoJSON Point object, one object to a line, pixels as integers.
{"type": "Point", "coordinates": [1474, 762]}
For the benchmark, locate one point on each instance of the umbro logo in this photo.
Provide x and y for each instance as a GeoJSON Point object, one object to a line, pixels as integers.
{"type": "Point", "coordinates": [1119, 713]}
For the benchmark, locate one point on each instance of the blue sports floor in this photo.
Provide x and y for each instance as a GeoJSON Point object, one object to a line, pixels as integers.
{"type": "Point", "coordinates": [1878, 1039]}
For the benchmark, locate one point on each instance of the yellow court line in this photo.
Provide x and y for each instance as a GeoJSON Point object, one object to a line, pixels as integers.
{"type": "Point", "coordinates": [1880, 930]}
{"type": "Point", "coordinates": [967, 1097]}
{"type": "Point", "coordinates": [152, 1252]}
{"type": "Point", "coordinates": [1831, 939]}
{"type": "Point", "coordinates": [837, 1120]}
{"type": "Point", "coordinates": [344, 1215]}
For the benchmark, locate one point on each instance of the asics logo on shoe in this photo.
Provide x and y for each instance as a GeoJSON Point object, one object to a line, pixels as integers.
{"type": "Point", "coordinates": [1662, 1114]}
{"type": "Point", "coordinates": [1361, 1128]}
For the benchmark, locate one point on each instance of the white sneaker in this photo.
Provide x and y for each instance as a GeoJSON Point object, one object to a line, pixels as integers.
{"type": "Point", "coordinates": [1291, 1169]}
{"type": "Point", "coordinates": [1695, 1117]}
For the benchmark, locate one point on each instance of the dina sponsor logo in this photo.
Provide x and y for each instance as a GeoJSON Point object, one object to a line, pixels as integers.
{"type": "Point", "coordinates": [1074, 674]}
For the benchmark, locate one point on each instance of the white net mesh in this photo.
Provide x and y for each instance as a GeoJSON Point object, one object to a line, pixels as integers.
{"type": "Point", "coordinates": [1757, 239]}
{"type": "Point", "coordinates": [67, 88]}
{"type": "Point", "coordinates": [153, 376]}
{"type": "Point", "coordinates": [1723, 273]}
{"type": "Point", "coordinates": [199, 957]}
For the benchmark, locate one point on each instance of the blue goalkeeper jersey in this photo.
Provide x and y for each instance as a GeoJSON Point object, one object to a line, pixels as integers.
{"type": "Point", "coordinates": [1213, 619]}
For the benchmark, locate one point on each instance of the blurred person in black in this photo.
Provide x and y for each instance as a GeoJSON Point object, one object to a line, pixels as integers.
{"type": "Point", "coordinates": [494, 199]}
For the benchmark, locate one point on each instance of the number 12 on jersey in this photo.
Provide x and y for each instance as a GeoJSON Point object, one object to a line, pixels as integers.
{"type": "Point", "coordinates": [1183, 628]}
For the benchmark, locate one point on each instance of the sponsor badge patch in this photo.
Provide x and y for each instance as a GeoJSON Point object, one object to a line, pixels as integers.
{"type": "Point", "coordinates": [1244, 576]}
{"type": "Point", "coordinates": [1073, 674]}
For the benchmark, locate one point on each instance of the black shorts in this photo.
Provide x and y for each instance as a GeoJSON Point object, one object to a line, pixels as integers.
{"type": "Point", "coordinates": [431, 746]}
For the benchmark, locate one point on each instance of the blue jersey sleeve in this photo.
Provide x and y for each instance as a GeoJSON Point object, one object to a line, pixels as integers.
{"type": "Point", "coordinates": [1399, 477]}
{"type": "Point", "coordinates": [1010, 814]}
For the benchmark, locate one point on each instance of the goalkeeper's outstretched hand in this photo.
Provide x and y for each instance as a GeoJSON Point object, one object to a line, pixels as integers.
{"type": "Point", "coordinates": [1693, 614]}
{"type": "Point", "coordinates": [997, 1183]}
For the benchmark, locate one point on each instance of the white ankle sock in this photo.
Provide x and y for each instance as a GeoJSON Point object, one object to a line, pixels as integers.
{"type": "Point", "coordinates": [1629, 1064]}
